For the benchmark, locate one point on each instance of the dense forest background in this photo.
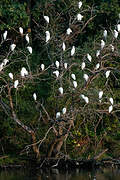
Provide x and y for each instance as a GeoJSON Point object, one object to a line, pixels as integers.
{"type": "Point", "coordinates": [30, 127]}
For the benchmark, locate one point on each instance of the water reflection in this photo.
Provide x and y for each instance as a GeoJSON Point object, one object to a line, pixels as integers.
{"type": "Point", "coordinates": [55, 174]}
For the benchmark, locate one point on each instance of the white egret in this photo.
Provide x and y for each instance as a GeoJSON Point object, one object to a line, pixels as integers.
{"type": "Point", "coordinates": [102, 44]}
{"type": "Point", "coordinates": [11, 75]}
{"type": "Point", "coordinates": [79, 4]}
{"type": "Point", "coordinates": [73, 76]}
{"type": "Point", "coordinates": [42, 67]}
{"type": "Point", "coordinates": [12, 47]}
{"type": "Point", "coordinates": [47, 19]}
{"type": "Point", "coordinates": [27, 38]}
{"type": "Point", "coordinates": [29, 49]}
{"type": "Point", "coordinates": [89, 57]}
{"type": "Point", "coordinates": [57, 64]}
{"type": "Point", "coordinates": [115, 34]}
{"type": "Point", "coordinates": [1, 66]}
{"type": "Point", "coordinates": [105, 34]}
{"type": "Point", "coordinates": [118, 27]}
{"type": "Point", "coordinates": [97, 66]}
{"type": "Point", "coordinates": [97, 53]}
{"type": "Point", "coordinates": [65, 65]}
{"type": "Point", "coordinates": [112, 47]}
{"type": "Point", "coordinates": [111, 100]}
{"type": "Point", "coordinates": [107, 73]}
{"type": "Point", "coordinates": [61, 90]}
{"type": "Point", "coordinates": [86, 77]}
{"type": "Point", "coordinates": [35, 96]}
{"type": "Point", "coordinates": [110, 109]}
{"type": "Point", "coordinates": [75, 84]}
{"type": "Point", "coordinates": [73, 51]}
{"type": "Point", "coordinates": [47, 36]}
{"type": "Point", "coordinates": [16, 82]}
{"type": "Point", "coordinates": [24, 72]}
{"type": "Point", "coordinates": [56, 73]}
{"type": "Point", "coordinates": [57, 115]}
{"type": "Point", "coordinates": [5, 35]}
{"type": "Point", "coordinates": [64, 110]}
{"type": "Point", "coordinates": [83, 65]}
{"type": "Point", "coordinates": [79, 17]}
{"type": "Point", "coordinates": [5, 61]}
{"type": "Point", "coordinates": [100, 94]}
{"type": "Point", "coordinates": [63, 46]}
{"type": "Point", "coordinates": [21, 30]}
{"type": "Point", "coordinates": [86, 99]}
{"type": "Point", "coordinates": [69, 31]}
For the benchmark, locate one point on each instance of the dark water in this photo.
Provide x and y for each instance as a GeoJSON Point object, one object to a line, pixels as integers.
{"type": "Point", "coordinates": [54, 174]}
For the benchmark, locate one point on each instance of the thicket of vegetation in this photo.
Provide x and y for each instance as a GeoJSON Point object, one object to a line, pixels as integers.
{"type": "Point", "coordinates": [60, 78]}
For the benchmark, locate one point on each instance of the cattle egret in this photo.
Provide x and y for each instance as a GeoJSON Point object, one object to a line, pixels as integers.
{"type": "Point", "coordinates": [47, 36]}
{"type": "Point", "coordinates": [115, 34]}
{"type": "Point", "coordinates": [61, 90]}
{"type": "Point", "coordinates": [24, 72]}
{"type": "Point", "coordinates": [1, 66]}
{"type": "Point", "coordinates": [47, 19]}
{"type": "Point", "coordinates": [29, 49]}
{"type": "Point", "coordinates": [75, 84]}
{"type": "Point", "coordinates": [64, 110]}
{"type": "Point", "coordinates": [42, 67]}
{"type": "Point", "coordinates": [11, 75]}
{"type": "Point", "coordinates": [112, 47]}
{"type": "Point", "coordinates": [97, 66]}
{"type": "Point", "coordinates": [65, 65]}
{"type": "Point", "coordinates": [79, 17]}
{"type": "Point", "coordinates": [102, 44]}
{"type": "Point", "coordinates": [12, 47]}
{"type": "Point", "coordinates": [73, 76]}
{"type": "Point", "coordinates": [27, 38]}
{"type": "Point", "coordinates": [73, 51]}
{"type": "Point", "coordinates": [111, 100]}
{"type": "Point", "coordinates": [83, 65]}
{"type": "Point", "coordinates": [97, 53]}
{"type": "Point", "coordinates": [5, 61]}
{"type": "Point", "coordinates": [57, 115]}
{"type": "Point", "coordinates": [69, 31]}
{"type": "Point", "coordinates": [56, 73]}
{"type": "Point", "coordinates": [105, 34]}
{"type": "Point", "coordinates": [86, 99]}
{"type": "Point", "coordinates": [86, 77]}
{"type": "Point", "coordinates": [107, 73]}
{"type": "Point", "coordinates": [63, 46]}
{"type": "Point", "coordinates": [35, 96]}
{"type": "Point", "coordinates": [16, 83]}
{"type": "Point", "coordinates": [110, 109]}
{"type": "Point", "coordinates": [21, 30]}
{"type": "Point", "coordinates": [83, 96]}
{"type": "Point", "coordinates": [79, 4]}
{"type": "Point", "coordinates": [118, 27]}
{"type": "Point", "coordinates": [5, 35]}
{"type": "Point", "coordinates": [89, 57]}
{"type": "Point", "coordinates": [57, 64]}
{"type": "Point", "coordinates": [100, 94]}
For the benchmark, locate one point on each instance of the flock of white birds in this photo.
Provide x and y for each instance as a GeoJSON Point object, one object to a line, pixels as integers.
{"type": "Point", "coordinates": [25, 73]}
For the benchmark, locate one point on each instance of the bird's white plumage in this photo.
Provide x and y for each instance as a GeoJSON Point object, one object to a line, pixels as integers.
{"type": "Point", "coordinates": [64, 110]}
{"type": "Point", "coordinates": [65, 65]}
{"type": "Point", "coordinates": [86, 77]}
{"type": "Point", "coordinates": [75, 84]}
{"type": "Point", "coordinates": [24, 72]}
{"type": "Point", "coordinates": [5, 35]}
{"type": "Point", "coordinates": [97, 53]}
{"type": "Point", "coordinates": [27, 38]}
{"type": "Point", "coordinates": [56, 73]}
{"type": "Point", "coordinates": [86, 99]}
{"type": "Point", "coordinates": [12, 47]}
{"type": "Point", "coordinates": [73, 51]}
{"type": "Point", "coordinates": [42, 67]}
{"type": "Point", "coordinates": [69, 31]}
{"type": "Point", "coordinates": [21, 30]}
{"type": "Point", "coordinates": [111, 100]}
{"type": "Point", "coordinates": [63, 46]}
{"type": "Point", "coordinates": [89, 57]}
{"type": "Point", "coordinates": [100, 94]}
{"type": "Point", "coordinates": [118, 27]}
{"type": "Point", "coordinates": [110, 109]}
{"type": "Point", "coordinates": [79, 17]}
{"type": "Point", "coordinates": [83, 65]}
{"type": "Point", "coordinates": [47, 36]}
{"type": "Point", "coordinates": [112, 47]}
{"type": "Point", "coordinates": [107, 73]}
{"type": "Point", "coordinates": [29, 49]}
{"type": "Point", "coordinates": [11, 75]}
{"type": "Point", "coordinates": [34, 96]}
{"type": "Point", "coordinates": [5, 61]}
{"type": "Point", "coordinates": [73, 76]}
{"type": "Point", "coordinates": [79, 4]}
{"type": "Point", "coordinates": [102, 44]}
{"type": "Point", "coordinates": [57, 64]}
{"type": "Point", "coordinates": [57, 115]}
{"type": "Point", "coordinates": [105, 34]}
{"type": "Point", "coordinates": [47, 19]}
{"type": "Point", "coordinates": [115, 34]}
{"type": "Point", "coordinates": [16, 82]}
{"type": "Point", "coordinates": [97, 66]}
{"type": "Point", "coordinates": [61, 90]}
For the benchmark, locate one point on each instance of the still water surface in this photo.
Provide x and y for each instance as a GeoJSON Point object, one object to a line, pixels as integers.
{"type": "Point", "coordinates": [54, 174]}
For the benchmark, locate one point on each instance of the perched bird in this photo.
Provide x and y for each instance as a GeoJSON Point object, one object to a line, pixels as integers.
{"type": "Point", "coordinates": [12, 47]}
{"type": "Point", "coordinates": [118, 27]}
{"type": "Point", "coordinates": [97, 53]}
{"type": "Point", "coordinates": [112, 47]}
{"type": "Point", "coordinates": [69, 31]}
{"type": "Point", "coordinates": [47, 19]}
{"type": "Point", "coordinates": [79, 4]}
{"type": "Point", "coordinates": [21, 30]}
{"type": "Point", "coordinates": [29, 49]}
{"type": "Point", "coordinates": [73, 51]}
{"type": "Point", "coordinates": [79, 17]}
{"type": "Point", "coordinates": [97, 66]}
{"type": "Point", "coordinates": [105, 34]}
{"type": "Point", "coordinates": [65, 65]}
{"type": "Point", "coordinates": [47, 36]}
{"type": "Point", "coordinates": [61, 90]}
{"type": "Point", "coordinates": [73, 76]}
{"type": "Point", "coordinates": [35, 96]}
{"type": "Point", "coordinates": [83, 65]}
{"type": "Point", "coordinates": [64, 110]}
{"type": "Point", "coordinates": [115, 34]}
{"type": "Point", "coordinates": [57, 115]}
{"type": "Point", "coordinates": [63, 46]}
{"type": "Point", "coordinates": [102, 44]}
{"type": "Point", "coordinates": [110, 109]}
{"type": "Point", "coordinates": [24, 72]}
{"type": "Point", "coordinates": [11, 75]}
{"type": "Point", "coordinates": [75, 84]}
{"type": "Point", "coordinates": [1, 66]}
{"type": "Point", "coordinates": [56, 73]}
{"type": "Point", "coordinates": [86, 77]}
{"type": "Point", "coordinates": [100, 94]}
{"type": "Point", "coordinates": [16, 83]}
{"type": "Point", "coordinates": [27, 38]}
{"type": "Point", "coordinates": [85, 98]}
{"type": "Point", "coordinates": [42, 67]}
{"type": "Point", "coordinates": [5, 61]}
{"type": "Point", "coordinates": [5, 35]}
{"type": "Point", "coordinates": [111, 100]}
{"type": "Point", "coordinates": [107, 73]}
{"type": "Point", "coordinates": [89, 57]}
{"type": "Point", "coordinates": [57, 64]}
